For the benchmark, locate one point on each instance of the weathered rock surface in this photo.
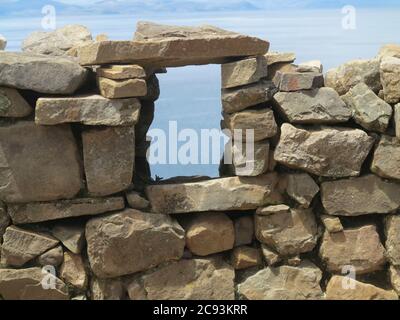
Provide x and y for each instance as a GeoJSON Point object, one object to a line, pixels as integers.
{"type": "Point", "coordinates": [270, 256]}
{"type": "Point", "coordinates": [171, 46]}
{"type": "Point", "coordinates": [326, 152]}
{"type": "Point", "coordinates": [284, 283]}
{"type": "Point", "coordinates": [280, 67]}
{"type": "Point", "coordinates": [389, 50]}
{"type": "Point", "coordinates": [92, 110]}
{"type": "Point", "coordinates": [114, 89]}
{"type": "Point", "coordinates": [238, 99]}
{"type": "Point", "coordinates": [107, 289]}
{"type": "Point", "coordinates": [288, 231]}
{"type": "Point", "coordinates": [46, 211]}
{"type": "Point", "coordinates": [244, 230]}
{"type": "Point", "coordinates": [245, 257]}
{"type": "Point", "coordinates": [394, 274]}
{"type": "Point", "coordinates": [358, 247]}
{"type": "Point", "coordinates": [301, 188]}
{"type": "Point", "coordinates": [209, 233]}
{"type": "Point", "coordinates": [26, 284]}
{"type": "Point", "coordinates": [261, 121]}
{"type": "Point", "coordinates": [390, 77]}
{"type": "Point", "coordinates": [12, 104]}
{"type": "Point", "coordinates": [369, 111]}
{"type": "Point", "coordinates": [337, 290]}
{"type": "Point", "coordinates": [346, 76]}
{"type": "Point", "coordinates": [296, 81]}
{"type": "Point", "coordinates": [250, 162]}
{"type": "Point", "coordinates": [245, 193]}
{"type": "Point", "coordinates": [332, 224]}
{"type": "Point", "coordinates": [3, 42]}
{"type": "Point", "coordinates": [386, 161]}
{"type": "Point", "coordinates": [73, 272]}
{"type": "Point", "coordinates": [21, 246]}
{"type": "Point", "coordinates": [113, 242]}
{"type": "Point", "coordinates": [310, 66]}
{"type": "Point", "coordinates": [243, 72]}
{"type": "Point", "coordinates": [31, 72]}
{"type": "Point", "coordinates": [38, 163]}
{"type": "Point", "coordinates": [196, 279]}
{"type": "Point", "coordinates": [392, 232]}
{"type": "Point", "coordinates": [122, 72]}
{"type": "Point", "coordinates": [316, 106]}
{"type": "Point", "coordinates": [4, 220]}
{"type": "Point", "coordinates": [58, 42]}
{"type": "Point", "coordinates": [109, 159]}
{"type": "Point", "coordinates": [359, 196]}
{"type": "Point", "coordinates": [280, 57]}
{"type": "Point", "coordinates": [71, 234]}
{"type": "Point", "coordinates": [53, 257]}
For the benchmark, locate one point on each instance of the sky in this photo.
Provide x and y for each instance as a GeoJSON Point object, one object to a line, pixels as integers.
{"type": "Point", "coordinates": [26, 7]}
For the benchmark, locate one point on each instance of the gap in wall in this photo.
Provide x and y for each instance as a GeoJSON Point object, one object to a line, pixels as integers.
{"type": "Point", "coordinates": [191, 96]}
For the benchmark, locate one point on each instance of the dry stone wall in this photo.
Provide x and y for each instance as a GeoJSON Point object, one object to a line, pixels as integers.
{"type": "Point", "coordinates": [320, 203]}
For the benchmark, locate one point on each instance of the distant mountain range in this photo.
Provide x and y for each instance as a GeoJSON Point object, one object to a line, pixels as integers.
{"type": "Point", "coordinates": [24, 7]}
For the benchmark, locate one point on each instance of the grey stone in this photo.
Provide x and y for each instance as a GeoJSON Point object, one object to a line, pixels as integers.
{"type": "Point", "coordinates": [12, 104]}
{"type": "Point", "coordinates": [369, 111]}
{"type": "Point", "coordinates": [386, 161]}
{"type": "Point", "coordinates": [93, 110]}
{"type": "Point", "coordinates": [326, 152]}
{"type": "Point", "coordinates": [53, 257]}
{"type": "Point", "coordinates": [317, 106]}
{"type": "Point", "coordinates": [302, 188]}
{"type": "Point", "coordinates": [31, 72]}
{"type": "Point", "coordinates": [296, 81]}
{"type": "Point", "coordinates": [113, 240]}
{"type": "Point", "coordinates": [360, 196]}
{"type": "Point", "coordinates": [46, 211]}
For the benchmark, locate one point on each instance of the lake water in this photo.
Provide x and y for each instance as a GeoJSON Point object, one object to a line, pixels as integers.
{"type": "Point", "coordinates": [191, 95]}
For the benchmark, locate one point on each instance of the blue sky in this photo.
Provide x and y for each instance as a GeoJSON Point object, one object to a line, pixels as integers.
{"type": "Point", "coordinates": [26, 7]}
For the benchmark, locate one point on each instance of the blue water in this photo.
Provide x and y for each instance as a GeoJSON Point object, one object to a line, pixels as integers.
{"type": "Point", "coordinates": [191, 95]}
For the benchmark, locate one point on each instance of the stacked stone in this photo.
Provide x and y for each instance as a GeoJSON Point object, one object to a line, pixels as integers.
{"type": "Point", "coordinates": [73, 169]}
{"type": "Point", "coordinates": [245, 92]}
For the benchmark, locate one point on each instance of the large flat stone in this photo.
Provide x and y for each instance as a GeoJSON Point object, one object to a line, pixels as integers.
{"type": "Point", "coordinates": [261, 121]}
{"type": "Point", "coordinates": [337, 290]}
{"type": "Point", "coordinates": [26, 284]}
{"type": "Point", "coordinates": [280, 57]}
{"type": "Point", "coordinates": [360, 196]}
{"type": "Point", "coordinates": [238, 99]}
{"type": "Point", "coordinates": [326, 152]}
{"type": "Point", "coordinates": [317, 106]}
{"type": "Point", "coordinates": [346, 76]}
{"type": "Point", "coordinates": [213, 195]}
{"type": "Point", "coordinates": [21, 246]}
{"type": "Point", "coordinates": [369, 111]}
{"type": "Point", "coordinates": [284, 283]}
{"type": "Point", "coordinates": [171, 46]}
{"type": "Point", "coordinates": [131, 241]}
{"type": "Point", "coordinates": [92, 110]}
{"type": "Point", "coordinates": [386, 161]}
{"type": "Point", "coordinates": [38, 163]}
{"type": "Point", "coordinates": [196, 279]}
{"type": "Point", "coordinates": [122, 72]}
{"type": "Point", "coordinates": [243, 72]}
{"type": "Point", "coordinates": [47, 211]}
{"type": "Point", "coordinates": [359, 247]}
{"type": "Point", "coordinates": [12, 104]}
{"type": "Point", "coordinates": [288, 232]}
{"type": "Point", "coordinates": [109, 159]}
{"type": "Point", "coordinates": [32, 72]}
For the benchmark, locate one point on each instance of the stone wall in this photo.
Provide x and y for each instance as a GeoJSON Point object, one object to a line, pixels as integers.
{"type": "Point", "coordinates": [77, 200]}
